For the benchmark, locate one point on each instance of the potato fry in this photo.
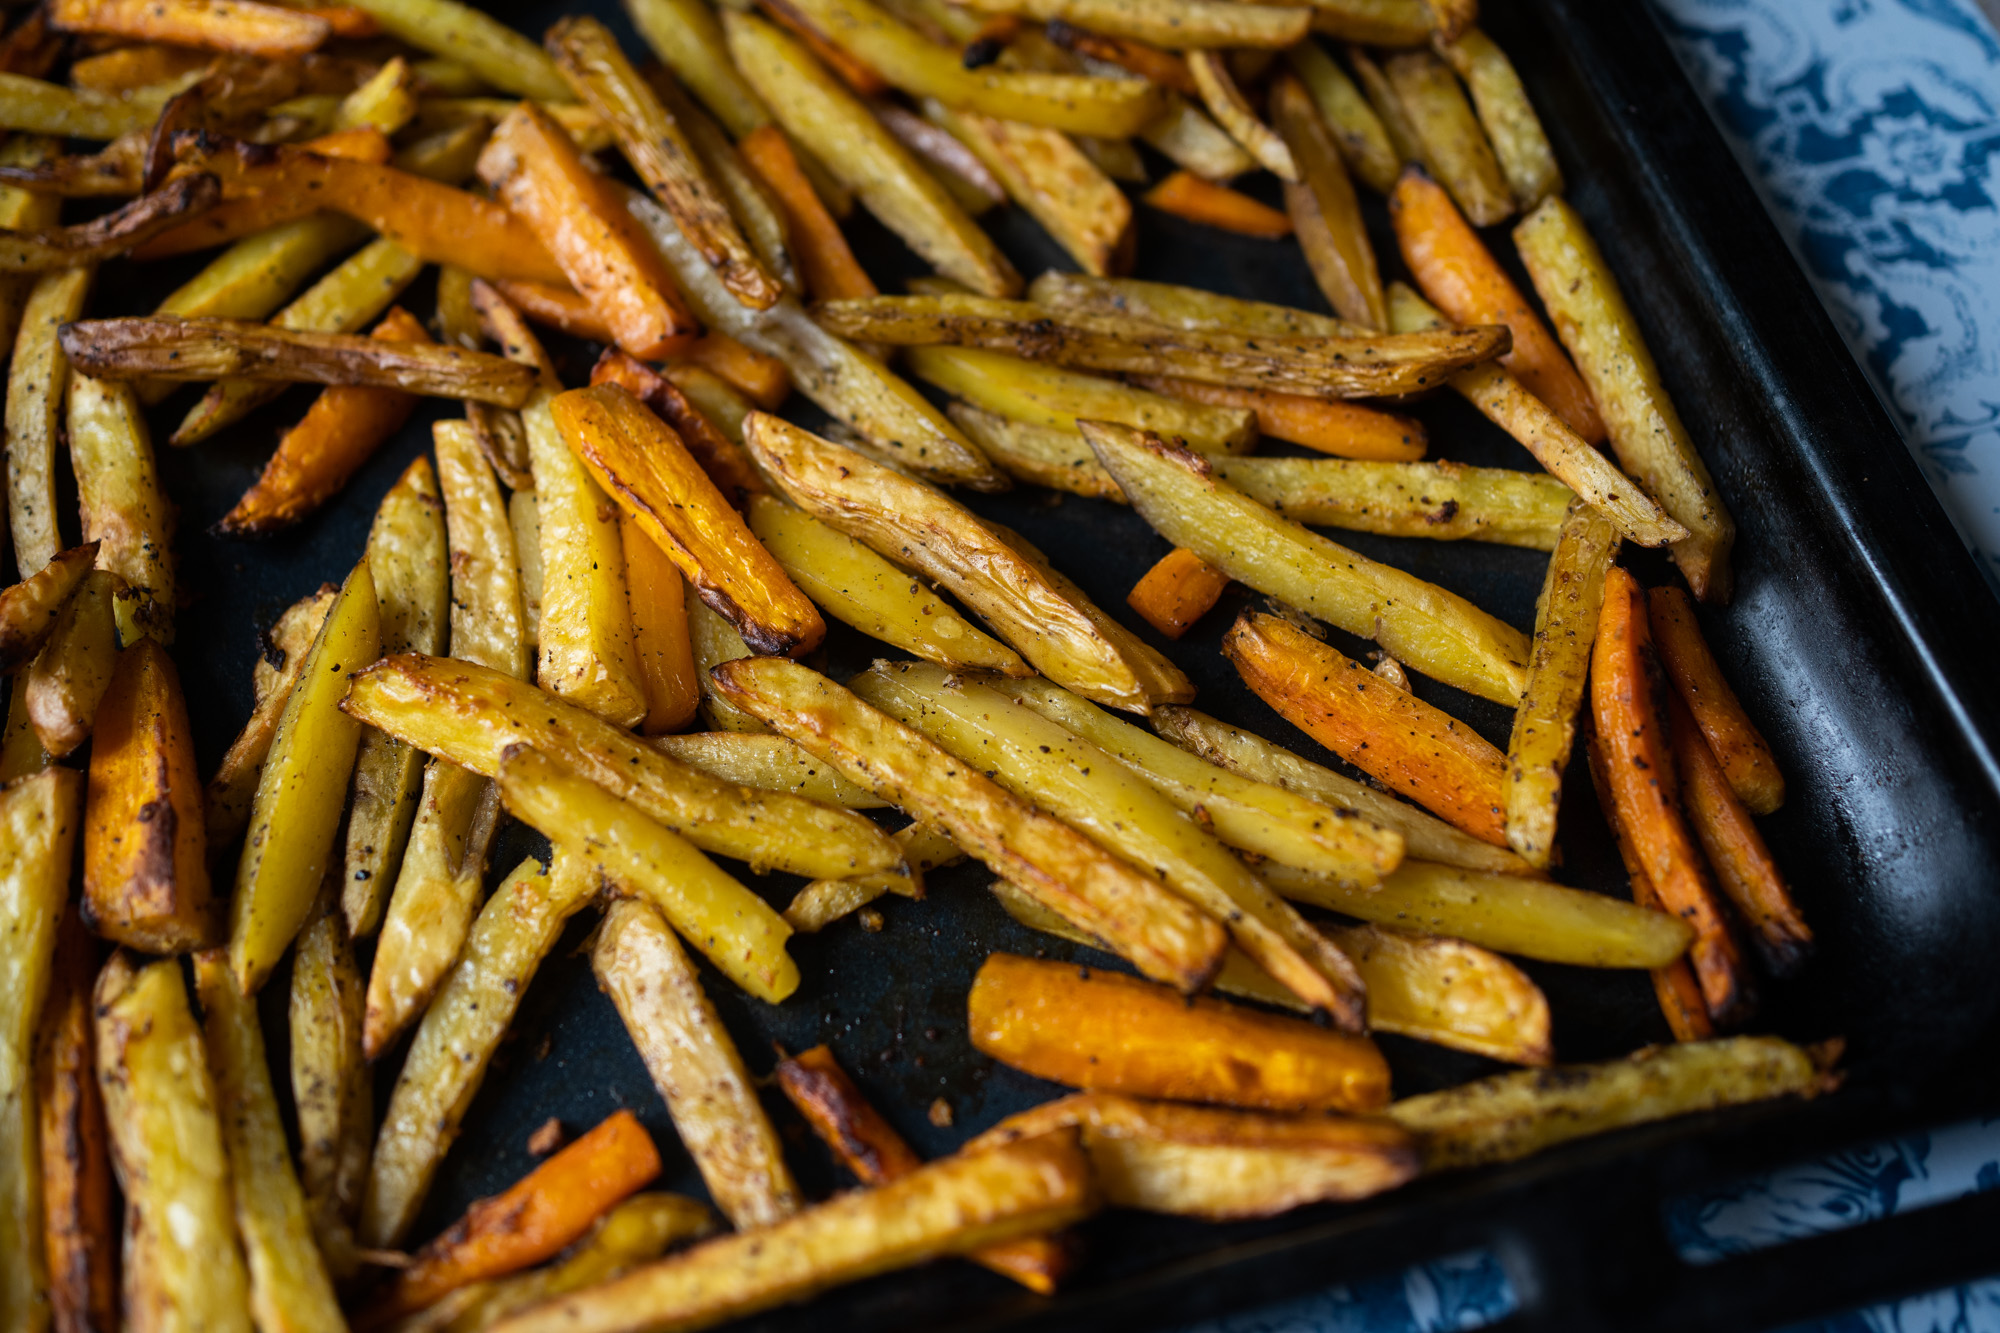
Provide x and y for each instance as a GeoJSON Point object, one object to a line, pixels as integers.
{"type": "Point", "coordinates": [166, 1141]}
{"type": "Point", "coordinates": [657, 595]}
{"type": "Point", "coordinates": [967, 179]}
{"type": "Point", "coordinates": [1226, 102]}
{"type": "Point", "coordinates": [1176, 592]}
{"type": "Point", "coordinates": [1185, 136]}
{"type": "Point", "coordinates": [486, 615]}
{"type": "Point", "coordinates": [825, 901]}
{"type": "Point", "coordinates": [1040, 455]}
{"type": "Point", "coordinates": [460, 1031]}
{"type": "Point", "coordinates": [1331, 231]}
{"type": "Point", "coordinates": [1178, 24]}
{"type": "Point", "coordinates": [1054, 181]}
{"type": "Point", "coordinates": [1739, 748]}
{"type": "Point", "coordinates": [460, 33]}
{"type": "Point", "coordinates": [1162, 935]}
{"type": "Point", "coordinates": [1452, 143]}
{"type": "Point", "coordinates": [1440, 501]}
{"type": "Point", "coordinates": [695, 1065]}
{"type": "Point", "coordinates": [32, 106]}
{"type": "Point", "coordinates": [1363, 141]}
{"type": "Point", "coordinates": [242, 26]}
{"type": "Point", "coordinates": [21, 754]}
{"type": "Point", "coordinates": [1437, 632]}
{"type": "Point", "coordinates": [76, 1190]}
{"type": "Point", "coordinates": [31, 609]}
{"type": "Point", "coordinates": [1388, 108]}
{"type": "Point", "coordinates": [770, 763]}
{"type": "Point", "coordinates": [1510, 1116]}
{"type": "Point", "coordinates": [1186, 195]}
{"type": "Point", "coordinates": [1513, 129]}
{"type": "Point", "coordinates": [525, 517]}
{"type": "Point", "coordinates": [124, 510]}
{"type": "Point", "coordinates": [332, 1088]}
{"type": "Point", "coordinates": [1186, 308]}
{"type": "Point", "coordinates": [687, 38]}
{"type": "Point", "coordinates": [301, 788]}
{"type": "Point", "coordinates": [234, 787]}
{"type": "Point", "coordinates": [70, 675]}
{"type": "Point", "coordinates": [37, 377]}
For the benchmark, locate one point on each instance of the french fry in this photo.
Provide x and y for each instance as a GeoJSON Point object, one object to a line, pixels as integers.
{"type": "Point", "coordinates": [525, 517]}
{"type": "Point", "coordinates": [770, 763]}
{"type": "Point", "coordinates": [32, 106]}
{"type": "Point", "coordinates": [76, 1191]}
{"type": "Point", "coordinates": [114, 233]}
{"type": "Point", "coordinates": [1453, 145]}
{"type": "Point", "coordinates": [1348, 116]}
{"type": "Point", "coordinates": [534, 1218]}
{"type": "Point", "coordinates": [1538, 748]}
{"type": "Point", "coordinates": [1177, 591]}
{"type": "Point", "coordinates": [124, 510]}
{"type": "Point", "coordinates": [37, 377]}
{"type": "Point", "coordinates": [301, 788]}
{"type": "Point", "coordinates": [233, 788]}
{"type": "Point", "coordinates": [657, 595]}
{"type": "Point", "coordinates": [1738, 747]}
{"type": "Point", "coordinates": [1186, 195]}
{"type": "Point", "coordinates": [827, 265]}
{"type": "Point", "coordinates": [1040, 455]}
{"type": "Point", "coordinates": [332, 1087]}
{"type": "Point", "coordinates": [24, 210]}
{"type": "Point", "coordinates": [1337, 248]}
{"type": "Point", "coordinates": [1377, 22]}
{"type": "Point", "coordinates": [855, 584]}
{"type": "Point", "coordinates": [344, 426]}
{"type": "Point", "coordinates": [687, 38]}
{"type": "Point", "coordinates": [822, 902]}
{"type": "Point", "coordinates": [486, 616]}
{"type": "Point", "coordinates": [1179, 24]}
{"type": "Point", "coordinates": [1186, 308]}
{"type": "Point", "coordinates": [1046, 396]}
{"type": "Point", "coordinates": [1441, 501]}
{"type": "Point", "coordinates": [70, 675]}
{"type": "Point", "coordinates": [1512, 128]}
{"type": "Point", "coordinates": [31, 609]}
{"type": "Point", "coordinates": [1388, 109]}
{"type": "Point", "coordinates": [1639, 771]}
{"type": "Point", "coordinates": [460, 33]}
{"type": "Point", "coordinates": [242, 26]}
{"type": "Point", "coordinates": [820, 113]}
{"type": "Point", "coordinates": [1565, 454]}
{"type": "Point", "coordinates": [1162, 935]}
{"type": "Point", "coordinates": [460, 1031]}
{"type": "Point", "coordinates": [21, 754]}
{"type": "Point", "coordinates": [1510, 1116]}
{"type": "Point", "coordinates": [469, 716]}
{"type": "Point", "coordinates": [1185, 136]}
{"type": "Point", "coordinates": [856, 74]}
{"type": "Point", "coordinates": [965, 178]}
{"type": "Point", "coordinates": [1437, 632]}
{"type": "Point", "coordinates": [695, 1065]}
{"type": "Point", "coordinates": [1226, 102]}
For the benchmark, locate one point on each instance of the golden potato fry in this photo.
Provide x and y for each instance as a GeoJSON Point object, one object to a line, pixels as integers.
{"type": "Point", "coordinates": [485, 587]}
{"type": "Point", "coordinates": [33, 106]}
{"type": "Point", "coordinates": [21, 754]}
{"type": "Point", "coordinates": [37, 378]}
{"type": "Point", "coordinates": [1441, 501]}
{"type": "Point", "coordinates": [69, 676]}
{"type": "Point", "coordinates": [1187, 308]}
{"type": "Point", "coordinates": [1039, 455]}
{"type": "Point", "coordinates": [712, 641]}
{"type": "Point", "coordinates": [1354, 125]}
{"type": "Point", "coordinates": [485, 45]}
{"type": "Point", "coordinates": [770, 763]}
{"type": "Point", "coordinates": [687, 38]}
{"type": "Point", "coordinates": [1175, 24]}
{"type": "Point", "coordinates": [525, 517]}
{"type": "Point", "coordinates": [234, 786]}
{"type": "Point", "coordinates": [1454, 146]}
{"type": "Point", "coordinates": [114, 233]}
{"type": "Point", "coordinates": [1387, 106]}
{"type": "Point", "coordinates": [243, 26]}
{"type": "Point", "coordinates": [1186, 136]}
{"type": "Point", "coordinates": [1232, 111]}
{"type": "Point", "coordinates": [1377, 22]}
{"type": "Point", "coordinates": [333, 1089]}
{"type": "Point", "coordinates": [124, 508]}
{"type": "Point", "coordinates": [1512, 127]}
{"type": "Point", "coordinates": [1054, 181]}
{"type": "Point", "coordinates": [1345, 266]}
{"type": "Point", "coordinates": [31, 609]}
{"type": "Point", "coordinates": [824, 901]}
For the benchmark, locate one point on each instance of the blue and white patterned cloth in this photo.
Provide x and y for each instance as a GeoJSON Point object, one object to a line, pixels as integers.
{"type": "Point", "coordinates": [1872, 129]}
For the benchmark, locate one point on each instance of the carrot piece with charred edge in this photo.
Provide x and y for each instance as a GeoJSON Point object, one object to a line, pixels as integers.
{"type": "Point", "coordinates": [825, 260]}
{"type": "Point", "coordinates": [560, 308]}
{"type": "Point", "coordinates": [77, 1217]}
{"type": "Point", "coordinates": [1461, 277]}
{"type": "Point", "coordinates": [1409, 746]}
{"type": "Point", "coordinates": [853, 71]}
{"type": "Point", "coordinates": [1179, 590]}
{"type": "Point", "coordinates": [1738, 747]}
{"type": "Point", "coordinates": [727, 463]}
{"type": "Point", "coordinates": [762, 379]}
{"type": "Point", "coordinates": [658, 597]}
{"type": "Point", "coordinates": [871, 1149]}
{"type": "Point", "coordinates": [1186, 195]}
{"type": "Point", "coordinates": [537, 172]}
{"type": "Point", "coordinates": [343, 428]}
{"type": "Point", "coordinates": [1148, 62]}
{"type": "Point", "coordinates": [1345, 430]}
{"type": "Point", "coordinates": [1639, 770]}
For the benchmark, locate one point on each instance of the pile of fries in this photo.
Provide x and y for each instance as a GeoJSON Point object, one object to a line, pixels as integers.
{"type": "Point", "coordinates": [577, 575]}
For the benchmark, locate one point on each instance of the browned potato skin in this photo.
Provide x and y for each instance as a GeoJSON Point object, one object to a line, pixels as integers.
{"type": "Point", "coordinates": [114, 233]}
{"type": "Point", "coordinates": [234, 785]}
{"type": "Point", "coordinates": [28, 610]}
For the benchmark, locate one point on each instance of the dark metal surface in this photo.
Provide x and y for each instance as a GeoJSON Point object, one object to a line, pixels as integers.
{"type": "Point", "coordinates": [1861, 639]}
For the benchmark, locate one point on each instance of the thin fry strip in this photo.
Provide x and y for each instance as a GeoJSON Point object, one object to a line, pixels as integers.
{"type": "Point", "coordinates": [1438, 501]}
{"type": "Point", "coordinates": [78, 1226]}
{"type": "Point", "coordinates": [1181, 24]}
{"type": "Point", "coordinates": [124, 506]}
{"type": "Point", "coordinates": [1225, 101]}
{"type": "Point", "coordinates": [1741, 750]}
{"type": "Point", "coordinates": [1345, 430]}
{"type": "Point", "coordinates": [1344, 265]}
{"type": "Point", "coordinates": [281, 659]}
{"type": "Point", "coordinates": [273, 31]}
{"type": "Point", "coordinates": [1355, 126]}
{"type": "Point", "coordinates": [36, 378]}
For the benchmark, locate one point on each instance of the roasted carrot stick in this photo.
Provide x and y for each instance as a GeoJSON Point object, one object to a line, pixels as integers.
{"type": "Point", "coordinates": [77, 1227]}
{"type": "Point", "coordinates": [762, 379]}
{"type": "Point", "coordinates": [870, 1148]}
{"type": "Point", "coordinates": [262, 188]}
{"type": "Point", "coordinates": [1187, 195]}
{"type": "Point", "coordinates": [1345, 430]}
{"type": "Point", "coordinates": [658, 597]}
{"type": "Point", "coordinates": [1406, 744]}
{"type": "Point", "coordinates": [562, 308]}
{"type": "Point", "coordinates": [726, 462]}
{"type": "Point", "coordinates": [1639, 770]}
{"type": "Point", "coordinates": [533, 1219]}
{"type": "Point", "coordinates": [1460, 276]}
{"type": "Point", "coordinates": [1733, 738]}
{"type": "Point", "coordinates": [345, 425]}
{"type": "Point", "coordinates": [829, 267]}
{"type": "Point", "coordinates": [1178, 591]}
{"type": "Point", "coordinates": [1148, 62]}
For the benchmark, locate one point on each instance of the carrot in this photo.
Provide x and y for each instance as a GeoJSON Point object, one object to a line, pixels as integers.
{"type": "Point", "coordinates": [537, 172]}
{"type": "Point", "coordinates": [1345, 430]}
{"type": "Point", "coordinates": [242, 26]}
{"type": "Point", "coordinates": [725, 461]}
{"type": "Point", "coordinates": [658, 597]}
{"type": "Point", "coordinates": [1639, 770]}
{"type": "Point", "coordinates": [854, 72]}
{"type": "Point", "coordinates": [764, 380]}
{"type": "Point", "coordinates": [1178, 591]}
{"type": "Point", "coordinates": [870, 1148]}
{"type": "Point", "coordinates": [130, 67]}
{"type": "Point", "coordinates": [829, 267]}
{"type": "Point", "coordinates": [1462, 278]}
{"type": "Point", "coordinates": [1743, 865]}
{"type": "Point", "coordinates": [1148, 62]}
{"type": "Point", "coordinates": [1395, 737]}
{"type": "Point", "coordinates": [345, 425]}
{"type": "Point", "coordinates": [261, 190]}
{"type": "Point", "coordinates": [345, 20]}
{"type": "Point", "coordinates": [1733, 738]}
{"type": "Point", "coordinates": [77, 1218]}
{"type": "Point", "coordinates": [533, 1219]}
{"type": "Point", "coordinates": [1186, 195]}
{"type": "Point", "coordinates": [560, 308]}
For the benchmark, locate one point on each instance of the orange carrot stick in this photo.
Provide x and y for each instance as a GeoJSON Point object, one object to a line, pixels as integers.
{"type": "Point", "coordinates": [561, 308]}
{"type": "Point", "coordinates": [1420, 751]}
{"type": "Point", "coordinates": [533, 1219]}
{"type": "Point", "coordinates": [725, 461]}
{"type": "Point", "coordinates": [762, 379]}
{"type": "Point", "coordinates": [1187, 195]}
{"type": "Point", "coordinates": [831, 271]}
{"type": "Point", "coordinates": [1178, 591]}
{"type": "Point", "coordinates": [77, 1227]}
{"type": "Point", "coordinates": [1732, 737]}
{"type": "Point", "coordinates": [261, 190]}
{"type": "Point", "coordinates": [658, 597]}
{"type": "Point", "coordinates": [1461, 277]}
{"type": "Point", "coordinates": [1345, 430]}
{"type": "Point", "coordinates": [1639, 770]}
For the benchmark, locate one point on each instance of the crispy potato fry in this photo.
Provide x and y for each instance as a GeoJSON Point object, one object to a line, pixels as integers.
{"type": "Point", "coordinates": [1452, 144]}
{"type": "Point", "coordinates": [1037, 759]}
{"type": "Point", "coordinates": [1186, 308]}
{"type": "Point", "coordinates": [1348, 116]}
{"type": "Point", "coordinates": [1226, 102]}
{"type": "Point", "coordinates": [1165, 937]}
{"type": "Point", "coordinates": [1388, 108]}
{"type": "Point", "coordinates": [975, 188]}
{"type": "Point", "coordinates": [37, 377]}
{"type": "Point", "coordinates": [1179, 24]}
{"type": "Point", "coordinates": [855, 584]}
{"type": "Point", "coordinates": [332, 1086]}
{"type": "Point", "coordinates": [1041, 455]}
{"type": "Point", "coordinates": [145, 880]}
{"type": "Point", "coordinates": [460, 1031]}
{"type": "Point", "coordinates": [1441, 501]}
{"type": "Point", "coordinates": [695, 1065]}
{"type": "Point", "coordinates": [1185, 136]}
{"type": "Point", "coordinates": [770, 763]}
{"type": "Point", "coordinates": [1639, 770]}
{"type": "Point", "coordinates": [21, 754]}
{"type": "Point", "coordinates": [243, 26]}
{"type": "Point", "coordinates": [820, 113]}
{"type": "Point", "coordinates": [233, 788]}
{"type": "Point", "coordinates": [1176, 592]}
{"type": "Point", "coordinates": [1510, 1116]}
{"type": "Point", "coordinates": [1513, 129]}
{"type": "Point", "coordinates": [76, 1191]}
{"type": "Point", "coordinates": [1437, 632]}
{"type": "Point", "coordinates": [301, 788]}
{"type": "Point", "coordinates": [822, 902]}
{"type": "Point", "coordinates": [1054, 181]}
{"type": "Point", "coordinates": [32, 106]}
{"type": "Point", "coordinates": [1377, 22]}
{"type": "Point", "coordinates": [70, 675]}
{"type": "Point", "coordinates": [687, 38]}
{"type": "Point", "coordinates": [657, 595]}
{"type": "Point", "coordinates": [1186, 195]}
{"type": "Point", "coordinates": [1048, 396]}
{"type": "Point", "coordinates": [525, 517]}
{"type": "Point", "coordinates": [460, 33]}
{"type": "Point", "coordinates": [31, 609]}
{"type": "Point", "coordinates": [124, 510]}
{"type": "Point", "coordinates": [1331, 231]}
{"type": "Point", "coordinates": [1739, 748]}
{"type": "Point", "coordinates": [486, 614]}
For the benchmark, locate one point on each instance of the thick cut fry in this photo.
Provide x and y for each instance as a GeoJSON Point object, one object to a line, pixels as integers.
{"type": "Point", "coordinates": [1738, 747]}
{"type": "Point", "coordinates": [871, 1150]}
{"type": "Point", "coordinates": [486, 614]}
{"type": "Point", "coordinates": [1440, 501]}
{"type": "Point", "coordinates": [1639, 770]}
{"type": "Point", "coordinates": [1451, 141]}
{"type": "Point", "coordinates": [1456, 271]}
{"type": "Point", "coordinates": [283, 653]}
{"type": "Point", "coordinates": [1422, 625]}
{"type": "Point", "coordinates": [1186, 308]}
{"type": "Point", "coordinates": [31, 609]}
{"type": "Point", "coordinates": [1057, 399]}
{"type": "Point", "coordinates": [687, 38]}
{"type": "Point", "coordinates": [695, 1066]}
{"type": "Point", "coordinates": [1347, 430]}
{"type": "Point", "coordinates": [820, 113]}
{"type": "Point", "coordinates": [515, 930]}
{"type": "Point", "coordinates": [534, 1218]}
{"type": "Point", "coordinates": [243, 26]}
{"type": "Point", "coordinates": [1185, 136]}
{"type": "Point", "coordinates": [1510, 1116]}
{"type": "Point", "coordinates": [1176, 592]}
{"type": "Point", "coordinates": [826, 263]}
{"type": "Point", "coordinates": [32, 106]}
{"type": "Point", "coordinates": [1512, 128]}
{"type": "Point", "coordinates": [1040, 455]}
{"type": "Point", "coordinates": [1355, 126]}
{"type": "Point", "coordinates": [145, 872]}
{"type": "Point", "coordinates": [20, 752]}
{"type": "Point", "coordinates": [525, 517]}
{"type": "Point", "coordinates": [1186, 195]}
{"type": "Point", "coordinates": [332, 1086]}
{"type": "Point", "coordinates": [70, 675]}
{"type": "Point", "coordinates": [1331, 231]}
{"type": "Point", "coordinates": [1054, 181]}
{"type": "Point", "coordinates": [76, 1191]}
{"type": "Point", "coordinates": [469, 716]}
{"type": "Point", "coordinates": [1225, 101]}
{"type": "Point", "coordinates": [1179, 24]}
{"type": "Point", "coordinates": [460, 33]}
{"type": "Point", "coordinates": [855, 584]}
{"type": "Point", "coordinates": [1538, 749]}
{"type": "Point", "coordinates": [939, 538]}
{"type": "Point", "coordinates": [124, 509]}
{"type": "Point", "coordinates": [769, 763]}
{"type": "Point", "coordinates": [1162, 935]}
{"type": "Point", "coordinates": [299, 793]}
{"type": "Point", "coordinates": [345, 425]}
{"type": "Point", "coordinates": [37, 377]}
{"type": "Point", "coordinates": [289, 1285]}
{"type": "Point", "coordinates": [957, 167]}
{"type": "Point", "coordinates": [1388, 109]}
{"type": "Point", "coordinates": [657, 595]}
{"type": "Point", "coordinates": [181, 1267]}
